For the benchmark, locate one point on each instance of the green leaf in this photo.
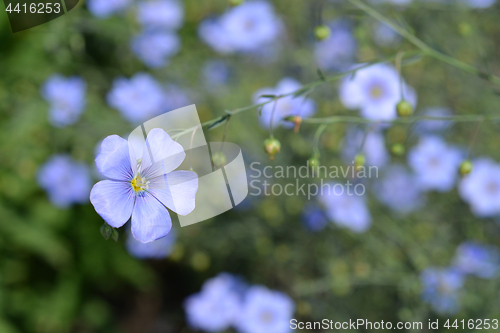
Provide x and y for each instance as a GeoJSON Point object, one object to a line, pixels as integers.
{"type": "Point", "coordinates": [321, 75]}
{"type": "Point", "coordinates": [267, 96]}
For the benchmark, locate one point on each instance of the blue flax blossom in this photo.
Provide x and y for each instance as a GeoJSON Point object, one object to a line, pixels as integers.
{"type": "Point", "coordinates": [375, 91]}
{"type": "Point", "coordinates": [66, 181]}
{"type": "Point", "coordinates": [374, 147]}
{"type": "Point", "coordinates": [477, 259]}
{"type": "Point", "coordinates": [345, 209]}
{"type": "Point", "coordinates": [216, 307]}
{"type": "Point", "coordinates": [398, 190]}
{"type": "Point", "coordinates": [138, 99]}
{"type": "Point", "coordinates": [106, 8]}
{"type": "Point", "coordinates": [286, 106]}
{"type": "Point", "coordinates": [158, 249]}
{"type": "Point", "coordinates": [435, 164]}
{"type": "Point", "coordinates": [66, 97]}
{"type": "Point", "coordinates": [481, 188]}
{"type": "Point", "coordinates": [143, 190]}
{"type": "Point", "coordinates": [314, 218]}
{"type": "Point", "coordinates": [155, 48]}
{"type": "Point", "coordinates": [385, 36]}
{"type": "Point", "coordinates": [441, 289]}
{"type": "Point", "coordinates": [245, 28]}
{"type": "Point", "coordinates": [338, 50]}
{"type": "Point", "coordinates": [160, 14]}
{"type": "Point", "coordinates": [265, 311]}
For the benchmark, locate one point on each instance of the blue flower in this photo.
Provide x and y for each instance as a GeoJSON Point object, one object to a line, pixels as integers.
{"type": "Point", "coordinates": [345, 209]}
{"type": "Point", "coordinates": [441, 289]}
{"type": "Point", "coordinates": [160, 14]}
{"type": "Point", "coordinates": [375, 90]}
{"type": "Point", "coordinates": [155, 48]}
{"type": "Point", "coordinates": [66, 181]}
{"type": "Point", "coordinates": [216, 307]}
{"type": "Point", "coordinates": [138, 99]}
{"type": "Point", "coordinates": [338, 50]}
{"type": "Point", "coordinates": [434, 126]}
{"type": "Point", "coordinates": [158, 249]}
{"type": "Point", "coordinates": [286, 106]}
{"type": "Point", "coordinates": [265, 311]}
{"type": "Point", "coordinates": [399, 190]}
{"type": "Point", "coordinates": [477, 259]}
{"type": "Point", "coordinates": [385, 36]}
{"type": "Point", "coordinates": [215, 73]}
{"type": "Point", "coordinates": [66, 98]}
{"type": "Point", "coordinates": [435, 164]}
{"type": "Point", "coordinates": [245, 28]}
{"type": "Point", "coordinates": [314, 219]}
{"type": "Point", "coordinates": [481, 188]}
{"type": "Point", "coordinates": [145, 189]}
{"type": "Point", "coordinates": [106, 8]}
{"type": "Point", "coordinates": [373, 148]}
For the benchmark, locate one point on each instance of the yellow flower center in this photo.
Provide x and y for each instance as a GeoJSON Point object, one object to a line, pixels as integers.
{"type": "Point", "coordinates": [376, 91]}
{"type": "Point", "coordinates": [139, 184]}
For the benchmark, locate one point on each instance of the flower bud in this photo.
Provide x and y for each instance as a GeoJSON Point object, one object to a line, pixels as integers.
{"type": "Point", "coordinates": [236, 2]}
{"type": "Point", "coordinates": [359, 161]}
{"type": "Point", "coordinates": [272, 146]}
{"type": "Point", "coordinates": [313, 161]}
{"type": "Point", "coordinates": [219, 159]}
{"type": "Point", "coordinates": [322, 32]}
{"type": "Point", "coordinates": [404, 109]}
{"type": "Point", "coordinates": [465, 168]}
{"type": "Point", "coordinates": [106, 231]}
{"type": "Point", "coordinates": [398, 149]}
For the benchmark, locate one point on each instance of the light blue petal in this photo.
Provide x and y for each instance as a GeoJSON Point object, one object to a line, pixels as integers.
{"type": "Point", "coordinates": [116, 160]}
{"type": "Point", "coordinates": [176, 190]}
{"type": "Point", "coordinates": [150, 219]}
{"type": "Point", "coordinates": [161, 154]}
{"type": "Point", "coordinates": [114, 201]}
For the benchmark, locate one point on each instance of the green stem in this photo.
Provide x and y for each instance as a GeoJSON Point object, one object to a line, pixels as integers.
{"type": "Point", "coordinates": [424, 47]}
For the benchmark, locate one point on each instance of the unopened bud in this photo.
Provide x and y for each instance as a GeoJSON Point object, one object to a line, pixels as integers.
{"type": "Point", "coordinates": [359, 161]}
{"type": "Point", "coordinates": [322, 32]}
{"type": "Point", "coordinates": [398, 149]}
{"type": "Point", "coordinates": [219, 159]}
{"type": "Point", "coordinates": [404, 109]}
{"type": "Point", "coordinates": [465, 168]}
{"type": "Point", "coordinates": [272, 146]}
{"type": "Point", "coordinates": [313, 162]}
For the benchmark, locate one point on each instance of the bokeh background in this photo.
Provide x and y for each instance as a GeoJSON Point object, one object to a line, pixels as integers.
{"type": "Point", "coordinates": [420, 244]}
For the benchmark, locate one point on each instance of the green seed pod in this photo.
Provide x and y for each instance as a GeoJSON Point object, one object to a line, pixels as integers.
{"type": "Point", "coordinates": [272, 146]}
{"type": "Point", "coordinates": [359, 161]}
{"type": "Point", "coordinates": [313, 162]}
{"type": "Point", "coordinates": [322, 32]}
{"type": "Point", "coordinates": [219, 159]}
{"type": "Point", "coordinates": [465, 168]}
{"type": "Point", "coordinates": [404, 109]}
{"type": "Point", "coordinates": [398, 149]}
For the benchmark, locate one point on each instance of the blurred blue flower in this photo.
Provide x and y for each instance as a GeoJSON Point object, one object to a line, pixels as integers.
{"type": "Point", "coordinates": [286, 106]}
{"type": "Point", "coordinates": [265, 311]}
{"type": "Point", "coordinates": [434, 126]}
{"type": "Point", "coordinates": [479, 3]}
{"type": "Point", "coordinates": [160, 14]}
{"type": "Point", "coordinates": [374, 148]}
{"type": "Point", "coordinates": [398, 190]}
{"type": "Point", "coordinates": [155, 48]}
{"type": "Point", "coordinates": [158, 249]}
{"type": "Point", "coordinates": [66, 181]}
{"type": "Point", "coordinates": [481, 188]}
{"type": "Point", "coordinates": [441, 289]}
{"type": "Point", "coordinates": [175, 98]}
{"type": "Point", "coordinates": [435, 164]}
{"type": "Point", "coordinates": [245, 28]}
{"type": "Point", "coordinates": [66, 98]}
{"type": "Point", "coordinates": [145, 189]}
{"type": "Point", "coordinates": [314, 218]}
{"type": "Point", "coordinates": [216, 307]}
{"type": "Point", "coordinates": [215, 73]}
{"type": "Point", "coordinates": [375, 90]}
{"type": "Point", "coordinates": [138, 99]}
{"type": "Point", "coordinates": [106, 8]}
{"type": "Point", "coordinates": [477, 259]}
{"type": "Point", "coordinates": [385, 36]}
{"type": "Point", "coordinates": [345, 209]}
{"type": "Point", "coordinates": [337, 52]}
